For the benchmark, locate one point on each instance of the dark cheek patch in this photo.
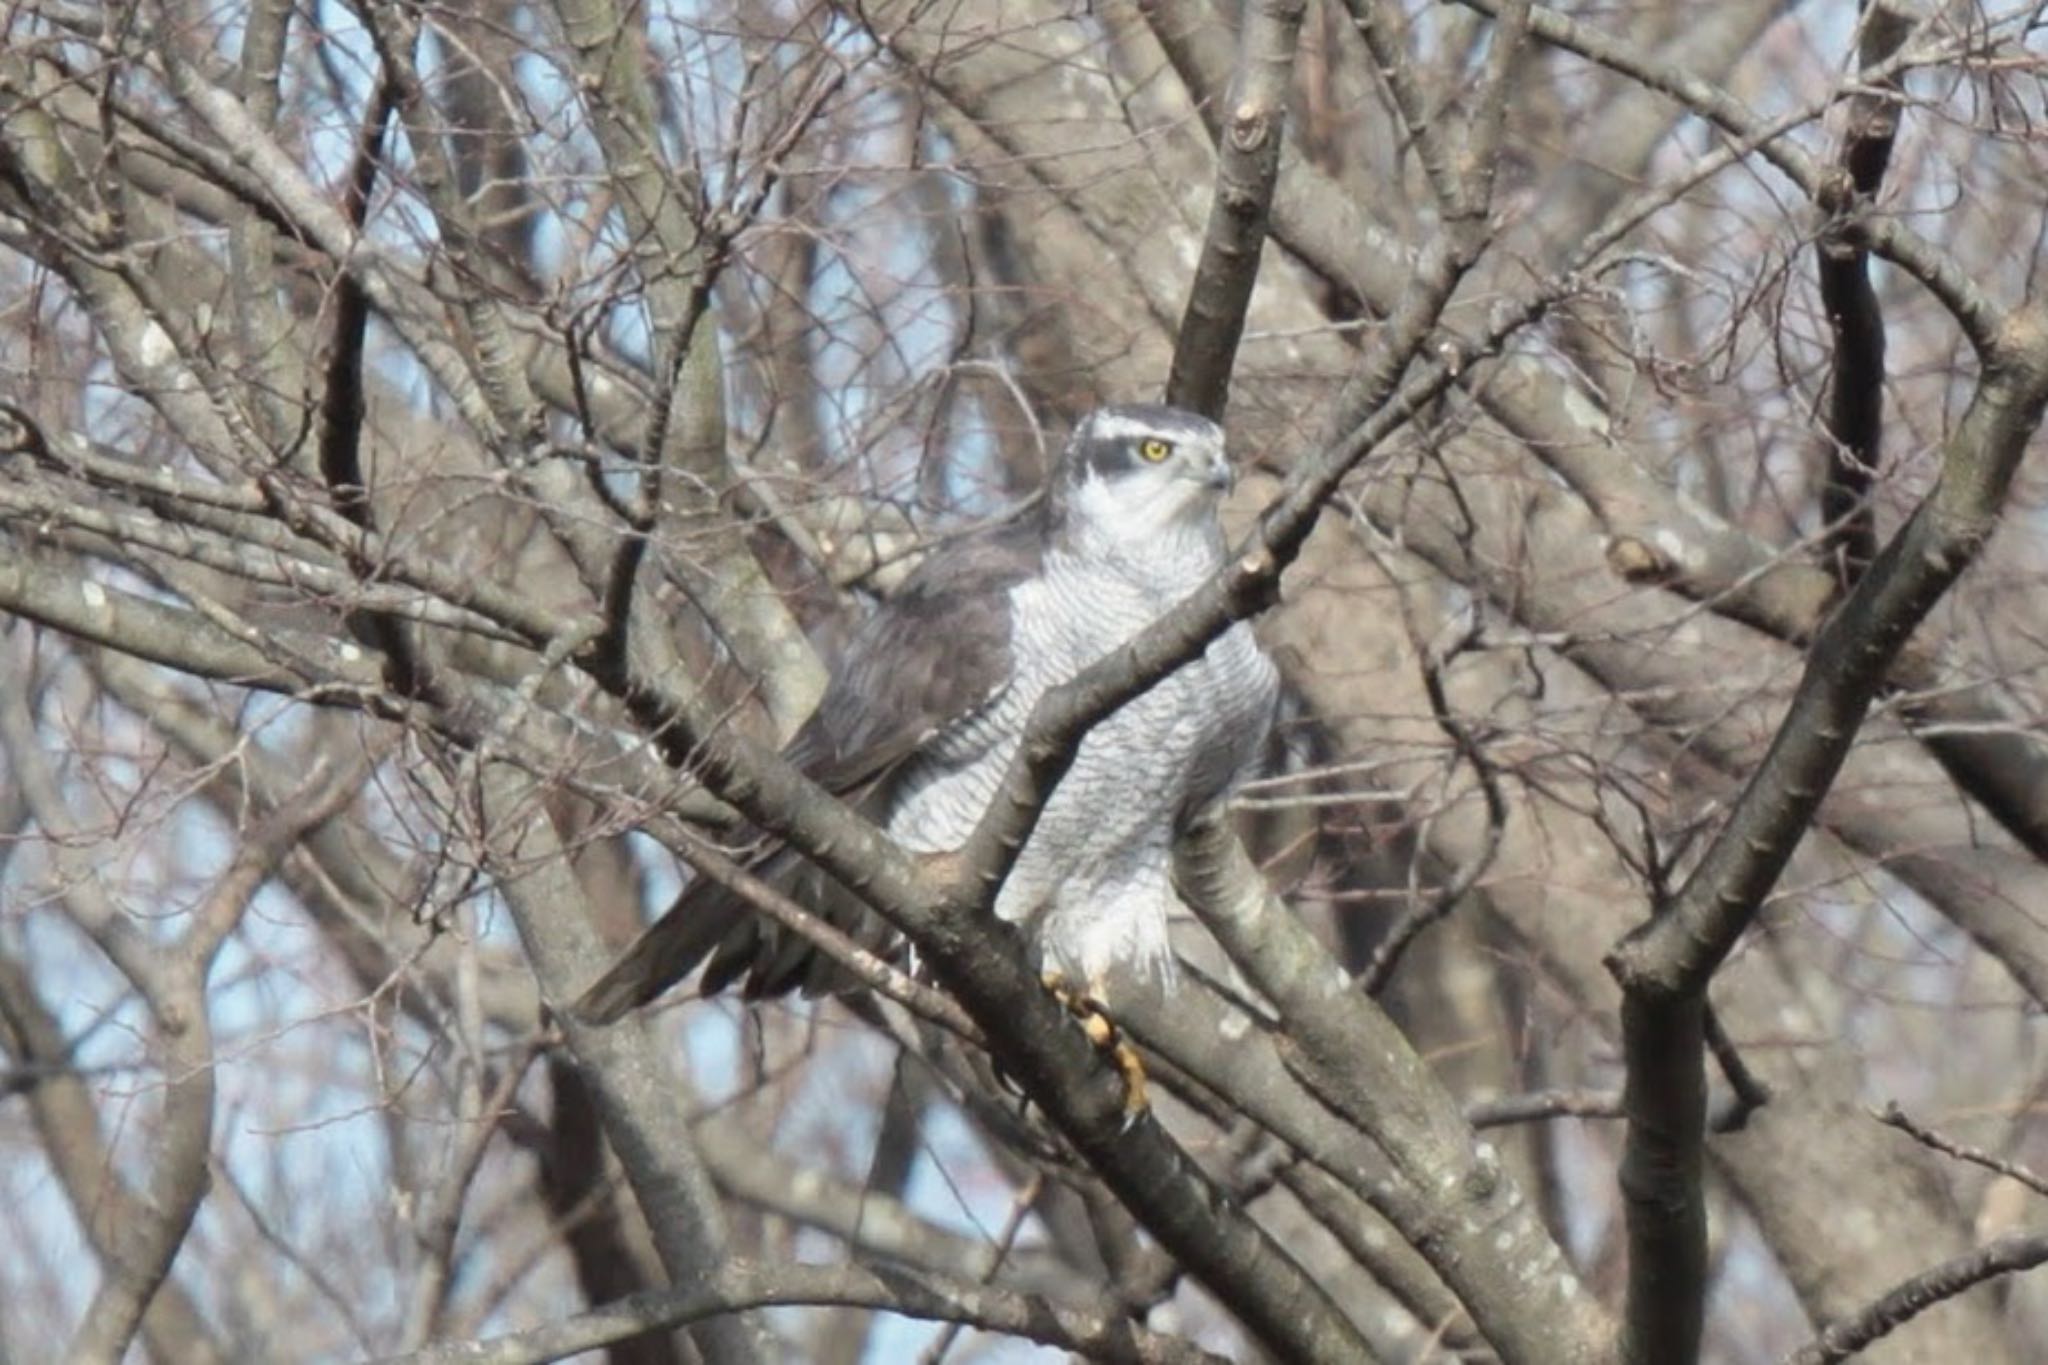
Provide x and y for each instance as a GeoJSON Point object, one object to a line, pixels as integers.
{"type": "Point", "coordinates": [1111, 458]}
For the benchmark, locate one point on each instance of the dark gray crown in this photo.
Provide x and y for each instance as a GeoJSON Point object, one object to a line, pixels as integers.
{"type": "Point", "coordinates": [1106, 441]}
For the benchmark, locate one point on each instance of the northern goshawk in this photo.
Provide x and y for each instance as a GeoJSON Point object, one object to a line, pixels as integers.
{"type": "Point", "coordinates": [925, 711]}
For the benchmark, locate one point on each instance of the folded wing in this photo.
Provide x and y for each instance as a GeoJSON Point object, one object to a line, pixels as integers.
{"type": "Point", "coordinates": [932, 656]}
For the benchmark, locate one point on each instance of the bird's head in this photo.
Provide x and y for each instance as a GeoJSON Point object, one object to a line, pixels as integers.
{"type": "Point", "coordinates": [1135, 471]}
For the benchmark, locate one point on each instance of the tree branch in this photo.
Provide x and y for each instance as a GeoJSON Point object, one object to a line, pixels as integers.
{"type": "Point", "coordinates": [1894, 1117]}
{"type": "Point", "coordinates": [1846, 1338]}
{"type": "Point", "coordinates": [1664, 1099]}
{"type": "Point", "coordinates": [1461, 1208]}
{"type": "Point", "coordinates": [1247, 165]}
{"type": "Point", "coordinates": [1664, 965]}
{"type": "Point", "coordinates": [635, 1092]}
{"type": "Point", "coordinates": [1678, 950]}
{"type": "Point", "coordinates": [1856, 390]}
{"type": "Point", "coordinates": [1655, 536]}
{"type": "Point", "coordinates": [1937, 270]}
{"type": "Point", "coordinates": [133, 1237]}
{"type": "Point", "coordinates": [737, 1286]}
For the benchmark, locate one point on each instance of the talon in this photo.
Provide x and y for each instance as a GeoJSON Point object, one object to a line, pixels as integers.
{"type": "Point", "coordinates": [1132, 1068]}
{"type": "Point", "coordinates": [1006, 1082]}
{"type": "Point", "coordinates": [1096, 1025]}
{"type": "Point", "coordinates": [1101, 1030]}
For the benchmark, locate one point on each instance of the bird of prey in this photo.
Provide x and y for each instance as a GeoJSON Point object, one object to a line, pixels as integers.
{"type": "Point", "coordinates": [926, 709]}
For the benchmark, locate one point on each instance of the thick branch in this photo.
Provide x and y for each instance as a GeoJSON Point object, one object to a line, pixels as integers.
{"type": "Point", "coordinates": [636, 1095]}
{"type": "Point", "coordinates": [1856, 392]}
{"type": "Point", "coordinates": [1464, 1213]}
{"type": "Point", "coordinates": [1676, 952]}
{"type": "Point", "coordinates": [1664, 965]}
{"type": "Point", "coordinates": [1664, 1099]}
{"type": "Point", "coordinates": [1247, 164]}
{"type": "Point", "coordinates": [342, 408]}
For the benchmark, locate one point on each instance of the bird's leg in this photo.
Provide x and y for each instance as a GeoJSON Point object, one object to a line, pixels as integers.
{"type": "Point", "coordinates": [1086, 1008]}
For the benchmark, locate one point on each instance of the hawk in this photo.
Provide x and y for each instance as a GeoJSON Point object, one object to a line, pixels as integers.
{"type": "Point", "coordinates": [926, 709]}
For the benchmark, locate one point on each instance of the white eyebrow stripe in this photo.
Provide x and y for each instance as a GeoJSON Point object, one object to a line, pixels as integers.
{"type": "Point", "coordinates": [1111, 428]}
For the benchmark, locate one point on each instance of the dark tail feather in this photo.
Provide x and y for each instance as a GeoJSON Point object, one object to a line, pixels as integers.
{"type": "Point", "coordinates": [666, 951]}
{"type": "Point", "coordinates": [708, 921]}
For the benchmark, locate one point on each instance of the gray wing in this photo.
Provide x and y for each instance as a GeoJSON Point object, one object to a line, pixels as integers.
{"type": "Point", "coordinates": [932, 655]}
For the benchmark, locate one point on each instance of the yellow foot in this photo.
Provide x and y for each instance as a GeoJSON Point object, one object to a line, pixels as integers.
{"type": "Point", "coordinates": [1102, 1031]}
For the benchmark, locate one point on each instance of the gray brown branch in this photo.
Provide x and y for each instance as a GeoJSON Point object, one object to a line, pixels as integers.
{"type": "Point", "coordinates": [1247, 165]}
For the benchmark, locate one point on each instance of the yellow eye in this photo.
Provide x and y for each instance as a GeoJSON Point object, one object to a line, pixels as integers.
{"type": "Point", "coordinates": [1153, 450]}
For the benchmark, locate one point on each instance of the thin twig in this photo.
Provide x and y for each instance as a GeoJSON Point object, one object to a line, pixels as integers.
{"type": "Point", "coordinates": [1021, 1205]}
{"type": "Point", "coordinates": [1938, 270]}
{"type": "Point", "coordinates": [738, 1285]}
{"type": "Point", "coordinates": [1749, 1092]}
{"type": "Point", "coordinates": [1894, 1117]}
{"type": "Point", "coordinates": [1915, 1296]}
{"type": "Point", "coordinates": [1387, 956]}
{"type": "Point", "coordinates": [1544, 1104]}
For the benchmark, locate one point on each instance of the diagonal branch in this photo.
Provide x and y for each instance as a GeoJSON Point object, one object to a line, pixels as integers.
{"type": "Point", "coordinates": [1909, 1300]}
{"type": "Point", "coordinates": [1454, 1202]}
{"type": "Point", "coordinates": [1892, 1116]}
{"type": "Point", "coordinates": [1675, 953]}
{"type": "Point", "coordinates": [1664, 965]}
{"type": "Point", "coordinates": [1427, 129]}
{"type": "Point", "coordinates": [124, 1227]}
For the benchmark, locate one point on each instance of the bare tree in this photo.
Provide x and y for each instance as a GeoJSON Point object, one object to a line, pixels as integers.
{"type": "Point", "coordinates": [446, 445]}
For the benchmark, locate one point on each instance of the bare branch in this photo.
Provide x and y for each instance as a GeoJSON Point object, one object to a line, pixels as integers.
{"type": "Point", "coordinates": [639, 1099]}
{"type": "Point", "coordinates": [1386, 957]}
{"type": "Point", "coordinates": [1856, 389]}
{"type": "Point", "coordinates": [737, 1286]}
{"type": "Point", "coordinates": [404, 564]}
{"type": "Point", "coordinates": [134, 1237]}
{"type": "Point", "coordinates": [1247, 165]}
{"type": "Point", "coordinates": [1677, 951]}
{"type": "Point", "coordinates": [1894, 1117]}
{"type": "Point", "coordinates": [1981, 320]}
{"type": "Point", "coordinates": [1454, 1201]}
{"type": "Point", "coordinates": [1844, 1339]}
{"type": "Point", "coordinates": [1664, 965]}
{"type": "Point", "coordinates": [1549, 1104]}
